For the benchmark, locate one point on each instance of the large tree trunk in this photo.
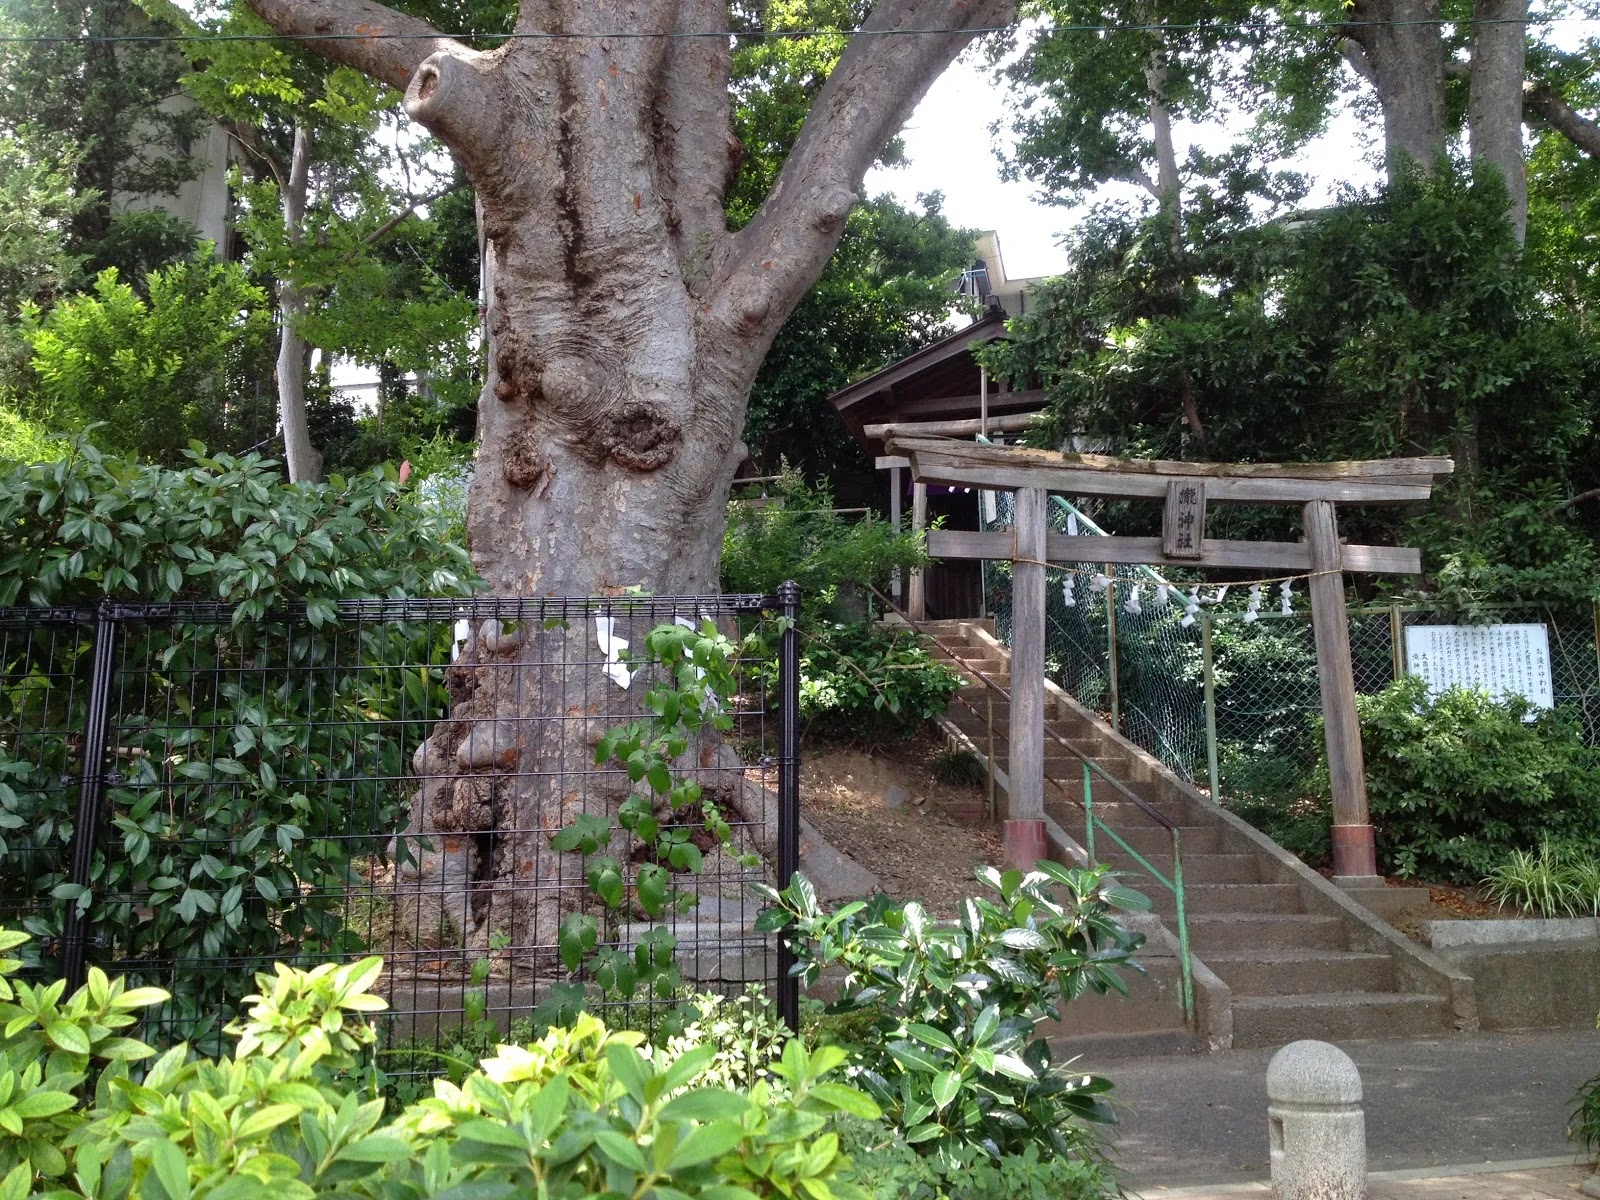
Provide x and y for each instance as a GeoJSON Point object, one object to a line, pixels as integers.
{"type": "Point", "coordinates": [300, 457]}
{"type": "Point", "coordinates": [1494, 108]}
{"type": "Point", "coordinates": [1399, 47]}
{"type": "Point", "coordinates": [626, 325]}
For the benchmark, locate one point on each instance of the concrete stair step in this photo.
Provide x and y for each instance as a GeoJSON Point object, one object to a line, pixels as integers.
{"type": "Point", "coordinates": [1122, 812]}
{"type": "Point", "coordinates": [1281, 898]}
{"type": "Point", "coordinates": [1151, 1005]}
{"type": "Point", "coordinates": [1153, 840]}
{"type": "Point", "coordinates": [1211, 932]}
{"type": "Point", "coordinates": [1296, 972]}
{"type": "Point", "coordinates": [1197, 868]}
{"type": "Point", "coordinates": [1332, 1016]}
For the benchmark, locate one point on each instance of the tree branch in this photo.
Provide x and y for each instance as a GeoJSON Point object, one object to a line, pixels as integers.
{"type": "Point", "coordinates": [1541, 100]}
{"type": "Point", "coordinates": [865, 102]}
{"type": "Point", "coordinates": [389, 226]}
{"type": "Point", "coordinates": [1578, 499]}
{"type": "Point", "coordinates": [1360, 62]}
{"type": "Point", "coordinates": [350, 32]}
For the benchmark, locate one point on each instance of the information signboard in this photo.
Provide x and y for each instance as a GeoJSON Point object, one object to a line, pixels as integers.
{"type": "Point", "coordinates": [1505, 660]}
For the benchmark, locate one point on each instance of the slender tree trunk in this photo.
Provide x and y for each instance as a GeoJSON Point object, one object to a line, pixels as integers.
{"type": "Point", "coordinates": [1169, 199]}
{"type": "Point", "coordinates": [1402, 53]}
{"type": "Point", "coordinates": [626, 324]}
{"type": "Point", "coordinates": [1494, 109]}
{"type": "Point", "coordinates": [303, 461]}
{"type": "Point", "coordinates": [1169, 184]}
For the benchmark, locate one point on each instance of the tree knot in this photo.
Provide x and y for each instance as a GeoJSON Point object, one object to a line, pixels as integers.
{"type": "Point", "coordinates": [638, 437]}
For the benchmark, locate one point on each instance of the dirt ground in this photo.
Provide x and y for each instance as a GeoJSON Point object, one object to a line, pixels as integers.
{"type": "Point", "coordinates": [1446, 902]}
{"type": "Point", "coordinates": [918, 850]}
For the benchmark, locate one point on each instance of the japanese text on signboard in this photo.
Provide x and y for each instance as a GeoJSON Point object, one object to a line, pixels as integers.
{"type": "Point", "coordinates": [1504, 660]}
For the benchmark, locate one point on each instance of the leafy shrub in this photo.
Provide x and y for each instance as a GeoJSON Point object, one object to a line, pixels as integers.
{"type": "Point", "coordinates": [797, 535]}
{"type": "Point", "coordinates": [1584, 1126]}
{"type": "Point", "coordinates": [889, 1169]}
{"type": "Point", "coordinates": [1456, 783]}
{"type": "Point", "coordinates": [215, 851]}
{"type": "Point", "coordinates": [858, 683]}
{"type": "Point", "coordinates": [581, 1112]}
{"type": "Point", "coordinates": [1302, 825]}
{"type": "Point", "coordinates": [1559, 881]}
{"type": "Point", "coordinates": [155, 371]}
{"type": "Point", "coordinates": [953, 1058]}
{"type": "Point", "coordinates": [957, 766]}
{"type": "Point", "coordinates": [744, 1033]}
{"type": "Point", "coordinates": [25, 440]}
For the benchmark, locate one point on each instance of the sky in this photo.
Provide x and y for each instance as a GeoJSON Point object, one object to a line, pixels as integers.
{"type": "Point", "coordinates": [951, 150]}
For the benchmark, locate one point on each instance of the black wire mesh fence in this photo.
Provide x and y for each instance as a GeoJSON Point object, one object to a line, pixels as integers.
{"type": "Point", "coordinates": [186, 800]}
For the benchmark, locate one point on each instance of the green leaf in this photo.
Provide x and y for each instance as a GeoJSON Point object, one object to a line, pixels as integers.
{"type": "Point", "coordinates": [575, 938]}
{"type": "Point", "coordinates": [848, 1100]}
{"type": "Point", "coordinates": [946, 1087]}
{"type": "Point", "coordinates": [629, 1069]}
{"type": "Point", "coordinates": [68, 1036]}
{"type": "Point", "coordinates": [913, 1057]}
{"type": "Point", "coordinates": [266, 1120]}
{"type": "Point", "coordinates": [931, 1036]}
{"type": "Point", "coordinates": [170, 1167]}
{"type": "Point", "coordinates": [712, 1104]}
{"type": "Point", "coordinates": [1013, 1067]}
{"type": "Point", "coordinates": [650, 886]}
{"type": "Point", "coordinates": [493, 1133]}
{"type": "Point", "coordinates": [42, 1104]}
{"type": "Point", "coordinates": [622, 1151]}
{"type": "Point", "coordinates": [705, 1143]}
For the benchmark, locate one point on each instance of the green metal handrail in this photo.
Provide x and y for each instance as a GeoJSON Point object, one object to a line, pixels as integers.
{"type": "Point", "coordinates": [1091, 820]}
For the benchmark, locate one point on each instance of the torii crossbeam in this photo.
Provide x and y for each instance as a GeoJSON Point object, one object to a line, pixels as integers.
{"type": "Point", "coordinates": [1185, 489]}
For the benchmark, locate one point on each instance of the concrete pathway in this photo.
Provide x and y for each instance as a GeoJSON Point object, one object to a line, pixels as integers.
{"type": "Point", "coordinates": [1472, 1098]}
{"type": "Point", "coordinates": [1537, 1179]}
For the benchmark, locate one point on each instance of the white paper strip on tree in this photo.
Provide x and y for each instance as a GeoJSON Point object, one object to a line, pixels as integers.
{"type": "Point", "coordinates": [1505, 660]}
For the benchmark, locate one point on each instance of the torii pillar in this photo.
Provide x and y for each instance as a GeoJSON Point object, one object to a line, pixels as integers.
{"type": "Point", "coordinates": [1022, 838]}
{"type": "Point", "coordinates": [1355, 856]}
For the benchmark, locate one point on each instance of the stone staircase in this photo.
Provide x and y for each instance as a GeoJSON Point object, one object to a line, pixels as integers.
{"type": "Point", "coordinates": [1277, 951]}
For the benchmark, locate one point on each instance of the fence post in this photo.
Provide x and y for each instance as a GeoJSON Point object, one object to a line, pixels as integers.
{"type": "Point", "coordinates": [1111, 649]}
{"type": "Point", "coordinates": [1397, 640]}
{"type": "Point", "coordinates": [91, 790]}
{"type": "Point", "coordinates": [788, 787]}
{"type": "Point", "coordinates": [1596, 608]}
{"type": "Point", "coordinates": [1208, 666]}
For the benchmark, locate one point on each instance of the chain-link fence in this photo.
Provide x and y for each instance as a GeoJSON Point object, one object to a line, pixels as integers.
{"type": "Point", "coordinates": [1232, 703]}
{"type": "Point", "coordinates": [1148, 688]}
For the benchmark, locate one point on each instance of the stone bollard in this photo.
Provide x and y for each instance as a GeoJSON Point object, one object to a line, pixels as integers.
{"type": "Point", "coordinates": [1315, 1127]}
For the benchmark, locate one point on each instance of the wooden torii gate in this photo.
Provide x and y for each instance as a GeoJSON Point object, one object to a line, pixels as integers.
{"type": "Point", "coordinates": [1185, 489]}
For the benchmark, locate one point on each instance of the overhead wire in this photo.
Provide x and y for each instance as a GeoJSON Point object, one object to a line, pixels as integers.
{"type": "Point", "coordinates": [1278, 26]}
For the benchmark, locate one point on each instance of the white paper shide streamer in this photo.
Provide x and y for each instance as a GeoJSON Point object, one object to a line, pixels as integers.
{"type": "Point", "coordinates": [1068, 586]}
{"type": "Point", "coordinates": [1286, 597]}
{"type": "Point", "coordinates": [1253, 606]}
{"type": "Point", "coordinates": [611, 648]}
{"type": "Point", "coordinates": [1132, 606]}
{"type": "Point", "coordinates": [1191, 608]}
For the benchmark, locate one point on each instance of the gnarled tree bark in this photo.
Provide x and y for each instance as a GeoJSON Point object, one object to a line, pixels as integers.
{"type": "Point", "coordinates": [626, 324]}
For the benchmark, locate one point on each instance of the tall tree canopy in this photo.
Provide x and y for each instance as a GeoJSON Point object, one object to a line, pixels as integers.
{"type": "Point", "coordinates": [115, 107]}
